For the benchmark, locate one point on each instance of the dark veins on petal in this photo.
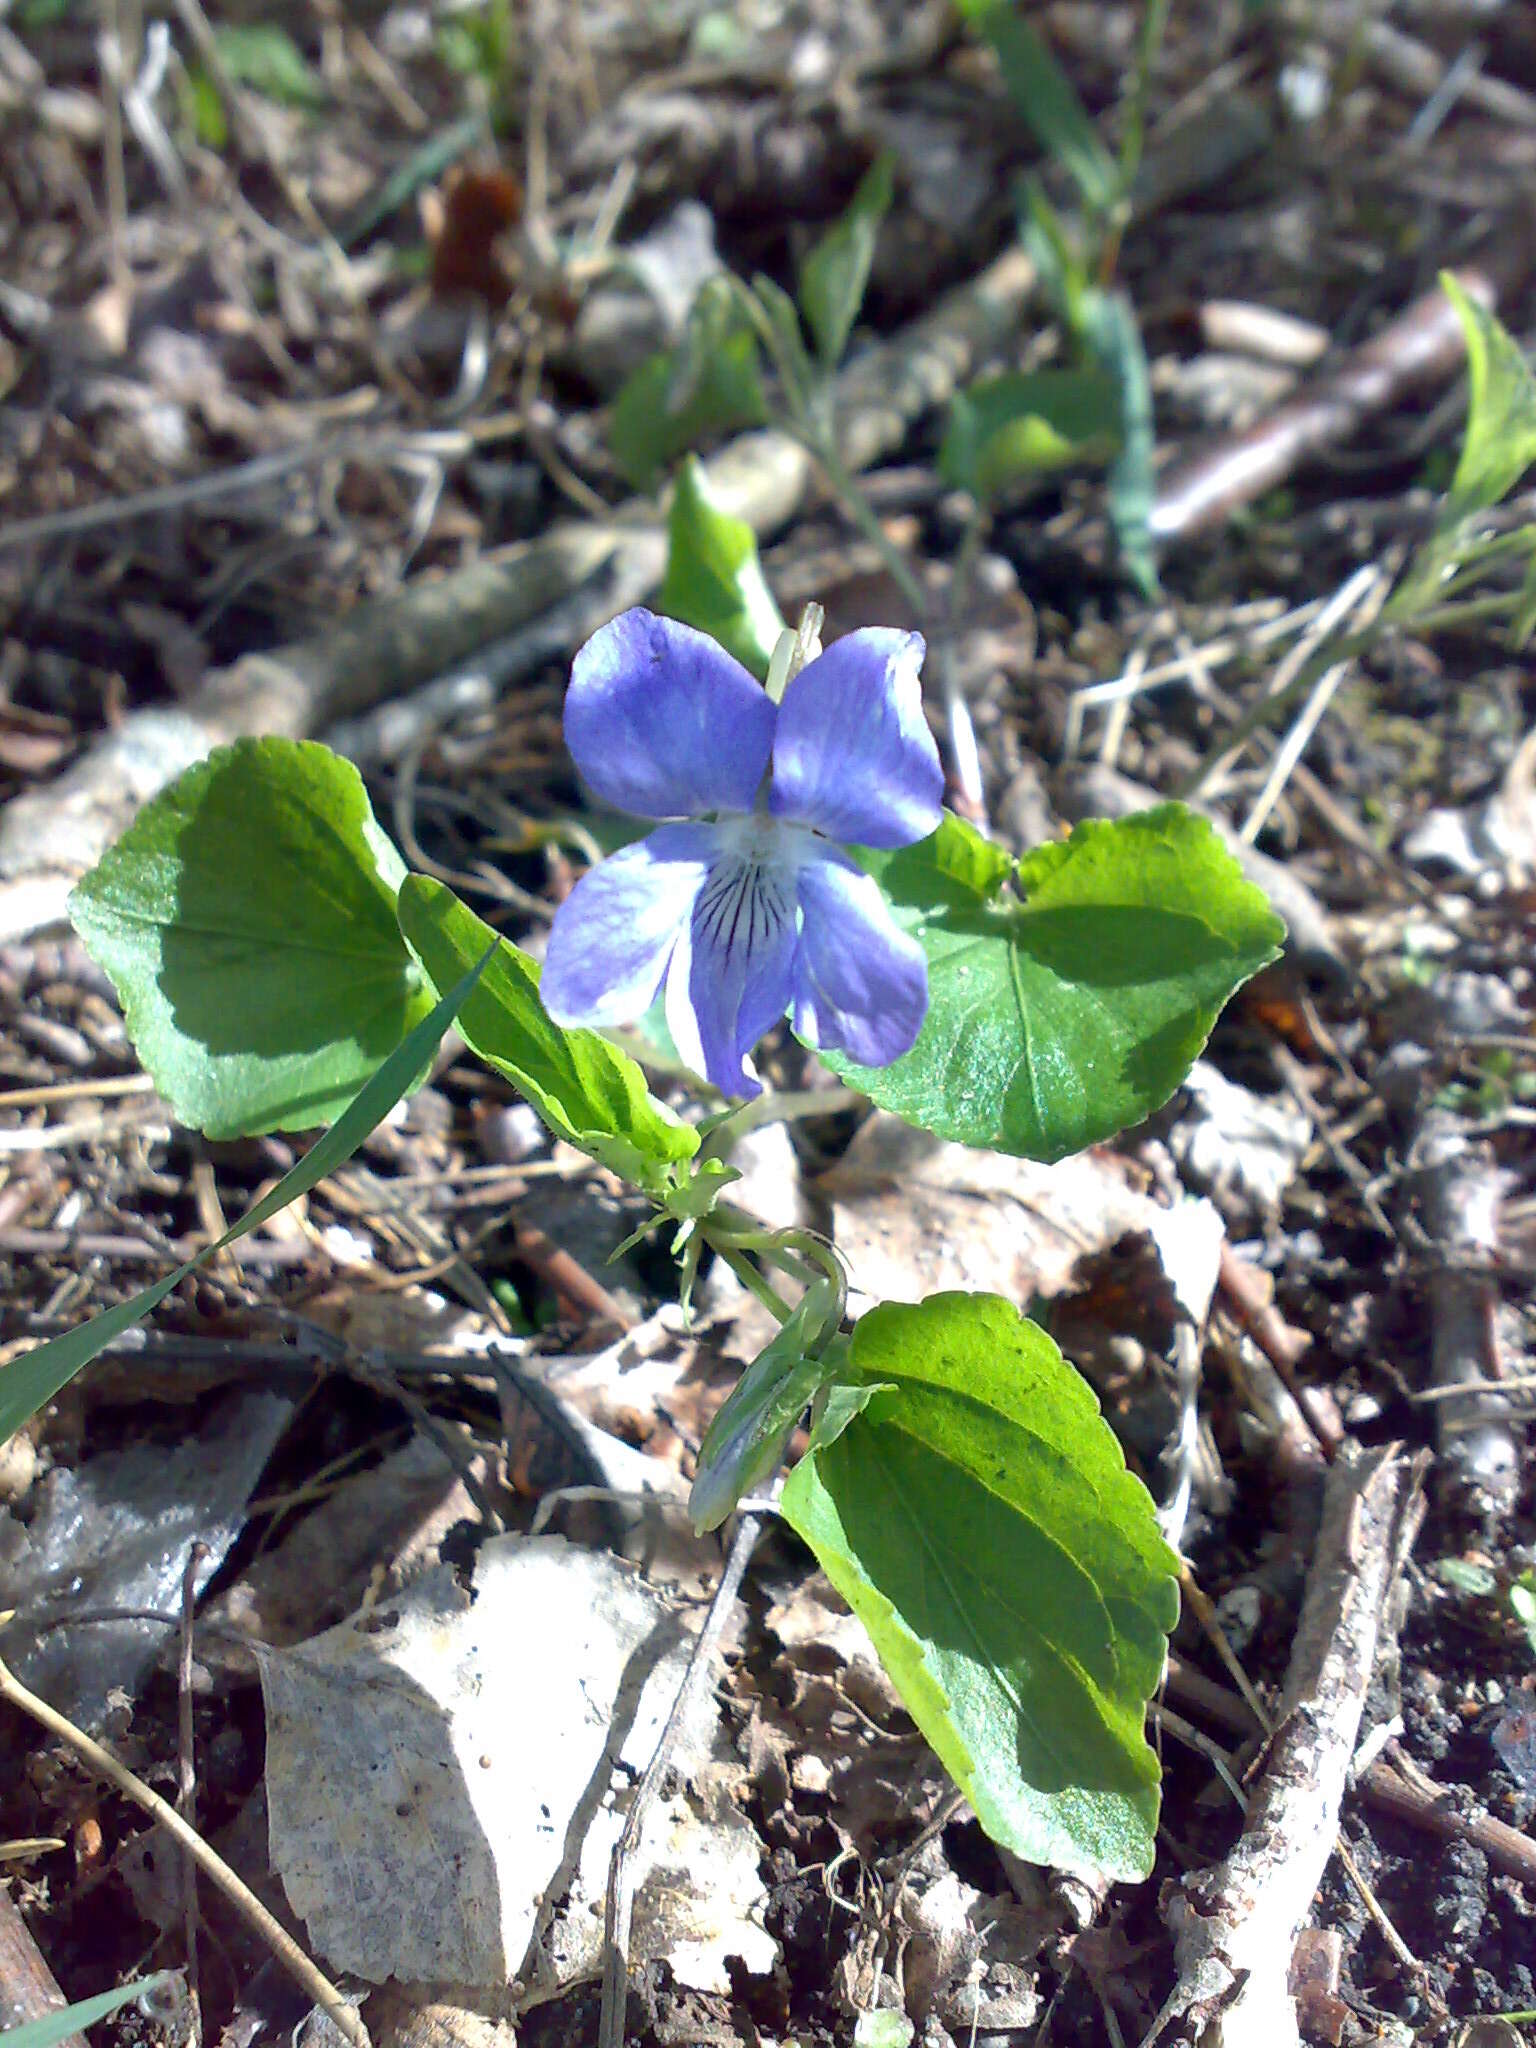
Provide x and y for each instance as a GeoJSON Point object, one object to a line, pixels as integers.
{"type": "Point", "coordinates": [740, 904]}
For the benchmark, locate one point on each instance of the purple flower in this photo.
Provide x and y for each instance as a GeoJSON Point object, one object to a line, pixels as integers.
{"type": "Point", "coordinates": [749, 909]}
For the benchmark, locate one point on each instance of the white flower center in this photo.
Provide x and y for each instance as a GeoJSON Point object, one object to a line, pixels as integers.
{"type": "Point", "coordinates": [751, 887]}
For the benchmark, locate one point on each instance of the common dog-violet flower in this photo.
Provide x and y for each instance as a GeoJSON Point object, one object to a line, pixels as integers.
{"type": "Point", "coordinates": [749, 908]}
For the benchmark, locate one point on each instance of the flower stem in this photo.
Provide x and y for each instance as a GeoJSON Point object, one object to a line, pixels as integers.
{"type": "Point", "coordinates": [786, 1108]}
{"type": "Point", "coordinates": [754, 1282]}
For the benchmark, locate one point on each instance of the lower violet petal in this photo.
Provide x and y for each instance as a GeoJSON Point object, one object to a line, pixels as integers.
{"type": "Point", "coordinates": [614, 934]}
{"type": "Point", "coordinates": [733, 969]}
{"type": "Point", "coordinates": [861, 985]}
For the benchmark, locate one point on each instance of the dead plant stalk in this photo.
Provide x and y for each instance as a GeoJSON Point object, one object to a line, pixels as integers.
{"type": "Point", "coordinates": [245, 1902]}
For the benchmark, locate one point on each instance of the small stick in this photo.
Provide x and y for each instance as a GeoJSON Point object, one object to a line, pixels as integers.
{"type": "Point", "coordinates": [569, 1278]}
{"type": "Point", "coordinates": [186, 1776]}
{"type": "Point", "coordinates": [1195, 1738]}
{"type": "Point", "coordinates": [1235, 1926]}
{"type": "Point", "coordinates": [1372, 587]}
{"type": "Point", "coordinates": [1374, 1907]}
{"type": "Point", "coordinates": [28, 1990]}
{"type": "Point", "coordinates": [1192, 1686]}
{"type": "Point", "coordinates": [316, 1985]}
{"type": "Point", "coordinates": [1320, 630]}
{"type": "Point", "coordinates": [69, 1091]}
{"type": "Point", "coordinates": [1460, 1188]}
{"type": "Point", "coordinates": [1422, 346]}
{"type": "Point", "coordinates": [1205, 1615]}
{"type": "Point", "coordinates": [1282, 1345]}
{"type": "Point", "coordinates": [1402, 1790]}
{"type": "Point", "coordinates": [610, 2033]}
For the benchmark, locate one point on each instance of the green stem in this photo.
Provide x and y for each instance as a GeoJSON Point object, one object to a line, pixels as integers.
{"type": "Point", "coordinates": [1467, 611]}
{"type": "Point", "coordinates": [966, 556]}
{"type": "Point", "coordinates": [786, 1108]}
{"type": "Point", "coordinates": [752, 1280]}
{"type": "Point", "coordinates": [731, 1231]}
{"type": "Point", "coordinates": [862, 513]}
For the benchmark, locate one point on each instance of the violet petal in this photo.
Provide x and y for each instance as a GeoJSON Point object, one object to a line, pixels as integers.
{"type": "Point", "coordinates": [663, 723]}
{"type": "Point", "coordinates": [861, 984]}
{"type": "Point", "coordinates": [733, 970]}
{"type": "Point", "coordinates": [614, 934]}
{"type": "Point", "coordinates": [853, 755]}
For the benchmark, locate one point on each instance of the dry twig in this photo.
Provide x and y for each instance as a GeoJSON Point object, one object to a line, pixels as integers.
{"type": "Point", "coordinates": [317, 1985]}
{"type": "Point", "coordinates": [620, 1873]}
{"type": "Point", "coordinates": [1420, 348]}
{"type": "Point", "coordinates": [1235, 1926]}
{"type": "Point", "coordinates": [27, 1987]}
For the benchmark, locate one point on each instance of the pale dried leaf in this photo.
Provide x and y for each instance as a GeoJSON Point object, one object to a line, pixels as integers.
{"type": "Point", "coordinates": [473, 1755]}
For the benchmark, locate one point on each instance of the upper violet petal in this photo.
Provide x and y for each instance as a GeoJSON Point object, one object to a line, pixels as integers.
{"type": "Point", "coordinates": [664, 723]}
{"type": "Point", "coordinates": [732, 973]}
{"type": "Point", "coordinates": [861, 984]}
{"type": "Point", "coordinates": [853, 755]}
{"type": "Point", "coordinates": [614, 934]}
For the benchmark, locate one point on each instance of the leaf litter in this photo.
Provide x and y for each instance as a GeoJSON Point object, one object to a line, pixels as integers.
{"type": "Point", "coordinates": [243, 439]}
{"type": "Point", "coordinates": [445, 1779]}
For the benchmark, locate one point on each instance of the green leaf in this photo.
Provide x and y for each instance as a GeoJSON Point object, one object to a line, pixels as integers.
{"type": "Point", "coordinates": [74, 2019]}
{"type": "Point", "coordinates": [203, 105]}
{"type": "Point", "coordinates": [745, 1442]}
{"type": "Point", "coordinates": [267, 59]}
{"type": "Point", "coordinates": [714, 578]}
{"type": "Point", "coordinates": [1461, 1576]}
{"type": "Point", "coordinates": [1498, 448]}
{"type": "Point", "coordinates": [1522, 1602]}
{"type": "Point", "coordinates": [1523, 623]}
{"type": "Point", "coordinates": [979, 1520]}
{"type": "Point", "coordinates": [585, 1089]}
{"type": "Point", "coordinates": [1007, 429]}
{"type": "Point", "coordinates": [709, 385]}
{"type": "Point", "coordinates": [1500, 443]}
{"type": "Point", "coordinates": [1055, 1022]}
{"type": "Point", "coordinates": [779, 325]}
{"type": "Point", "coordinates": [1046, 99]}
{"type": "Point", "coordinates": [31, 1381]}
{"type": "Point", "coordinates": [1058, 249]}
{"type": "Point", "coordinates": [957, 853]}
{"type": "Point", "coordinates": [835, 275]}
{"type": "Point", "coordinates": [1115, 338]}
{"type": "Point", "coordinates": [478, 42]}
{"type": "Point", "coordinates": [247, 920]}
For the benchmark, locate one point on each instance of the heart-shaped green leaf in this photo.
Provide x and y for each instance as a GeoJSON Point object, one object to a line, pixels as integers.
{"type": "Point", "coordinates": [247, 919]}
{"type": "Point", "coordinates": [1055, 1021]}
{"type": "Point", "coordinates": [978, 1518]}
